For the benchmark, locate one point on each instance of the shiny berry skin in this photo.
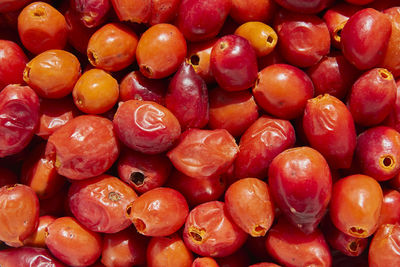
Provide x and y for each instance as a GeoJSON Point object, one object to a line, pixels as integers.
{"type": "Point", "coordinates": [168, 251]}
{"type": "Point", "coordinates": [210, 232]}
{"type": "Point", "coordinates": [291, 247]}
{"type": "Point", "coordinates": [42, 27]}
{"type": "Point", "coordinates": [28, 256]}
{"type": "Point", "coordinates": [365, 37]}
{"type": "Point", "coordinates": [146, 126]}
{"type": "Point", "coordinates": [300, 184]}
{"type": "Point", "coordinates": [252, 10]}
{"type": "Point", "coordinates": [200, 20]}
{"type": "Point", "coordinates": [83, 148]}
{"type": "Point", "coordinates": [383, 250]}
{"type": "Point", "coordinates": [391, 60]}
{"type": "Point", "coordinates": [72, 243]}
{"type": "Point", "coordinates": [249, 204]}
{"type": "Point", "coordinates": [393, 119]}
{"type": "Point", "coordinates": [372, 97]}
{"type": "Point", "coordinates": [19, 118]}
{"type": "Point", "coordinates": [132, 10]}
{"type": "Point", "coordinates": [160, 51]}
{"type": "Point", "coordinates": [378, 152]}
{"type": "Point", "coordinates": [143, 172]}
{"type": "Point", "coordinates": [198, 56]}
{"type": "Point", "coordinates": [304, 6]}
{"type": "Point", "coordinates": [112, 47]}
{"type": "Point", "coordinates": [19, 214]}
{"type": "Point", "coordinates": [158, 212]}
{"type": "Point", "coordinates": [204, 262]}
{"type": "Point", "coordinates": [53, 73]}
{"type": "Point", "coordinates": [100, 203]}
{"type": "Point", "coordinates": [12, 63]}
{"type": "Point", "coordinates": [233, 63]}
{"type": "Point", "coordinates": [38, 237]}
{"type": "Point", "coordinates": [278, 81]}
{"type": "Point", "coordinates": [260, 144]}
{"type": "Point", "coordinates": [303, 39]}
{"type": "Point", "coordinates": [204, 153]}
{"type": "Point", "coordinates": [187, 98]}
{"type": "Point", "coordinates": [233, 111]}
{"type": "Point", "coordinates": [356, 205]}
{"type": "Point", "coordinates": [390, 212]}
{"type": "Point", "coordinates": [92, 12]}
{"type": "Point", "coordinates": [329, 128]}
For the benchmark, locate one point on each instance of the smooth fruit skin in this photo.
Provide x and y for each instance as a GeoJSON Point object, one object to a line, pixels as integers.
{"type": "Point", "coordinates": [72, 243]}
{"type": "Point", "coordinates": [393, 119]}
{"type": "Point", "coordinates": [210, 232]}
{"type": "Point", "coordinates": [12, 63]}
{"type": "Point", "coordinates": [38, 237]}
{"type": "Point", "coordinates": [378, 152]}
{"type": "Point", "coordinates": [391, 60]}
{"type": "Point", "coordinates": [204, 262]}
{"type": "Point", "coordinates": [390, 212]}
{"type": "Point", "coordinates": [260, 144]}
{"type": "Point", "coordinates": [365, 37]}
{"type": "Point", "coordinates": [372, 97]}
{"type": "Point", "coordinates": [304, 6]}
{"type": "Point", "coordinates": [291, 247]}
{"type": "Point", "coordinates": [300, 184]}
{"type": "Point", "coordinates": [146, 126]}
{"type": "Point", "coordinates": [233, 63]}
{"type": "Point", "coordinates": [252, 10]}
{"type": "Point", "coordinates": [250, 206]}
{"type": "Point", "coordinates": [201, 20]}
{"type": "Point", "coordinates": [329, 128]}
{"type": "Point", "coordinates": [135, 11]}
{"type": "Point", "coordinates": [187, 98]}
{"type": "Point", "coordinates": [28, 256]}
{"type": "Point", "coordinates": [384, 248]}
{"type": "Point", "coordinates": [198, 56]}
{"type": "Point", "coordinates": [356, 205]}
{"type": "Point", "coordinates": [278, 81]}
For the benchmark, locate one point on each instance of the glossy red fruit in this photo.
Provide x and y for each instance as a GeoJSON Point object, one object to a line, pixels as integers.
{"type": "Point", "coordinates": [132, 10]}
{"type": "Point", "coordinates": [169, 251]}
{"type": "Point", "coordinates": [83, 148]}
{"type": "Point", "coordinates": [210, 232]}
{"type": "Point", "coordinates": [291, 247]}
{"type": "Point", "coordinates": [303, 39]}
{"type": "Point", "coordinates": [198, 56]}
{"type": "Point", "coordinates": [304, 6]}
{"type": "Point", "coordinates": [391, 60]}
{"type": "Point", "coordinates": [72, 243]}
{"type": "Point", "coordinates": [233, 63]}
{"type": "Point", "coordinates": [252, 10]}
{"type": "Point", "coordinates": [204, 262]}
{"type": "Point", "coordinates": [19, 214]}
{"type": "Point", "coordinates": [12, 63]}
{"type": "Point", "coordinates": [232, 111]}
{"type": "Point", "coordinates": [390, 212]}
{"type": "Point", "coordinates": [393, 119]}
{"type": "Point", "coordinates": [356, 205]}
{"type": "Point", "coordinates": [204, 153]}
{"type": "Point", "coordinates": [19, 118]}
{"type": "Point", "coordinates": [378, 152]}
{"type": "Point", "coordinates": [200, 20]}
{"type": "Point", "coordinates": [329, 128]}
{"type": "Point", "coordinates": [100, 203]}
{"type": "Point", "coordinates": [187, 98]}
{"type": "Point", "coordinates": [92, 12]}
{"type": "Point", "coordinates": [372, 97]}
{"type": "Point", "coordinates": [143, 172]}
{"type": "Point", "coordinates": [158, 212]}
{"type": "Point", "coordinates": [365, 37]}
{"type": "Point", "coordinates": [278, 81]}
{"type": "Point", "coordinates": [146, 126]}
{"type": "Point", "coordinates": [38, 237]}
{"type": "Point", "coordinates": [260, 144]}
{"type": "Point", "coordinates": [300, 184]}
{"type": "Point", "coordinates": [125, 248]}
{"type": "Point", "coordinates": [384, 246]}
{"type": "Point", "coordinates": [249, 204]}
{"type": "Point", "coordinates": [28, 256]}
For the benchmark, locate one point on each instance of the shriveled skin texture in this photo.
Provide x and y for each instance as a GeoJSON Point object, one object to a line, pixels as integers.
{"type": "Point", "coordinates": [83, 148]}
{"type": "Point", "coordinates": [204, 153]}
{"type": "Point", "coordinates": [210, 232]}
{"type": "Point", "coordinates": [385, 246]}
{"type": "Point", "coordinates": [92, 12]}
{"type": "Point", "coordinates": [28, 257]}
{"type": "Point", "coordinates": [19, 118]}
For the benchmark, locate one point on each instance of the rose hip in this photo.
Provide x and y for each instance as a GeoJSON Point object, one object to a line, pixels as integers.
{"type": "Point", "coordinates": [100, 203]}
{"type": "Point", "coordinates": [210, 232]}
{"type": "Point", "coordinates": [249, 204]}
{"type": "Point", "coordinates": [92, 12]}
{"type": "Point", "coordinates": [198, 56]}
{"type": "Point", "coordinates": [391, 60]}
{"type": "Point", "coordinates": [233, 63]}
{"type": "Point", "coordinates": [19, 214]}
{"type": "Point", "coordinates": [252, 10]}
{"type": "Point", "coordinates": [187, 98]}
{"type": "Point", "coordinates": [132, 10]}
{"type": "Point", "coordinates": [146, 126]}
{"type": "Point", "coordinates": [158, 212]}
{"type": "Point", "coordinates": [204, 262]}
{"type": "Point", "coordinates": [72, 243]}
{"type": "Point", "coordinates": [19, 118]}
{"type": "Point", "coordinates": [372, 97]}
{"type": "Point", "coordinates": [300, 184]}
{"type": "Point", "coordinates": [204, 153]}
{"type": "Point", "coordinates": [390, 212]}
{"type": "Point", "coordinates": [304, 6]}
{"type": "Point", "coordinates": [366, 48]}
{"type": "Point", "coordinates": [28, 256]}
{"type": "Point", "coordinates": [12, 5]}
{"type": "Point", "coordinates": [384, 246]}
{"type": "Point", "coordinates": [356, 205]}
{"type": "Point", "coordinates": [12, 63]}
{"type": "Point", "coordinates": [378, 152]}
{"type": "Point", "coordinates": [38, 237]}
{"type": "Point", "coordinates": [83, 148]}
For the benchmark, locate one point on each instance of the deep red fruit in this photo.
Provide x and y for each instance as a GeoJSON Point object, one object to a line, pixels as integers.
{"type": "Point", "coordinates": [28, 256]}
{"type": "Point", "coordinates": [12, 63]}
{"type": "Point", "coordinates": [304, 6]}
{"type": "Point", "coordinates": [383, 250]}
{"type": "Point", "coordinates": [390, 212]}
{"type": "Point", "coordinates": [92, 12]}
